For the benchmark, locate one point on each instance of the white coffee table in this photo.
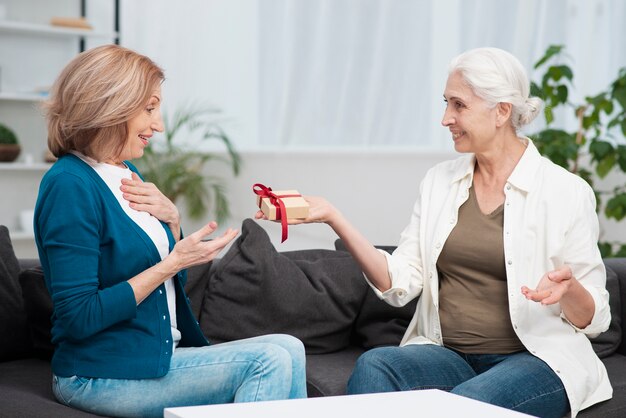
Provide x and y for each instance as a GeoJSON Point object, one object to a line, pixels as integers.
{"type": "Point", "coordinates": [422, 403]}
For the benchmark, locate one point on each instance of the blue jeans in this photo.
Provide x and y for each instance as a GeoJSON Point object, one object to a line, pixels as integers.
{"type": "Point", "coordinates": [518, 381]}
{"type": "Point", "coordinates": [256, 369]}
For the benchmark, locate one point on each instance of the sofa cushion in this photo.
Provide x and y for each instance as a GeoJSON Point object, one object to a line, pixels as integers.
{"type": "Point", "coordinates": [253, 290]}
{"type": "Point", "coordinates": [607, 343]}
{"type": "Point", "coordinates": [26, 391]}
{"type": "Point", "coordinates": [328, 374]}
{"type": "Point", "coordinates": [38, 309]}
{"type": "Point", "coordinates": [13, 321]}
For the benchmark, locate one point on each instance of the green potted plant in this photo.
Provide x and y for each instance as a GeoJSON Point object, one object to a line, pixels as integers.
{"type": "Point", "coordinates": [596, 147]}
{"type": "Point", "coordinates": [178, 168]}
{"type": "Point", "coordinates": [9, 146]}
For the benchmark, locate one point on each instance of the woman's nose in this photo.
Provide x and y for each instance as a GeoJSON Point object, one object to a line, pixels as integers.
{"type": "Point", "coordinates": [157, 125]}
{"type": "Point", "coordinates": [447, 119]}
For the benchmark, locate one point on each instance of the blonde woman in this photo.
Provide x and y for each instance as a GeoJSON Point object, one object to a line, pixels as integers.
{"type": "Point", "coordinates": [502, 252]}
{"type": "Point", "coordinates": [114, 260]}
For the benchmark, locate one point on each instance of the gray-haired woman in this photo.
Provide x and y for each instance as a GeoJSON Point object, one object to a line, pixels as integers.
{"type": "Point", "coordinates": [501, 250]}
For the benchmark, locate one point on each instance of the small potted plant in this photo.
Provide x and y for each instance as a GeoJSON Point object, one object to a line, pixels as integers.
{"type": "Point", "coordinates": [9, 146]}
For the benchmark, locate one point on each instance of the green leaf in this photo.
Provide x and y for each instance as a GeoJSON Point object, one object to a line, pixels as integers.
{"type": "Point", "coordinates": [621, 157]}
{"type": "Point", "coordinates": [616, 207]}
{"type": "Point", "coordinates": [562, 93]}
{"type": "Point", "coordinates": [605, 249]}
{"type": "Point", "coordinates": [605, 165]}
{"type": "Point", "coordinates": [600, 149]}
{"type": "Point", "coordinates": [550, 52]}
{"type": "Point", "coordinates": [621, 252]}
{"type": "Point", "coordinates": [536, 91]}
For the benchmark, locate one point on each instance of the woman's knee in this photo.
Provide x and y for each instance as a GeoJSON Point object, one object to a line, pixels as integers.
{"type": "Point", "coordinates": [290, 343]}
{"type": "Point", "coordinates": [371, 372]}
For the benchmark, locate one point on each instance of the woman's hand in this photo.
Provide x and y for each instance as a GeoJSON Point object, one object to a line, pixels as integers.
{"type": "Point", "coordinates": [190, 251]}
{"type": "Point", "coordinates": [320, 211]}
{"type": "Point", "coordinates": [560, 286]}
{"type": "Point", "coordinates": [195, 249]}
{"type": "Point", "coordinates": [146, 197]}
{"type": "Point", "coordinates": [552, 286]}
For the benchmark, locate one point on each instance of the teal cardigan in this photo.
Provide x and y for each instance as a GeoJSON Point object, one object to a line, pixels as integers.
{"type": "Point", "coordinates": [89, 248]}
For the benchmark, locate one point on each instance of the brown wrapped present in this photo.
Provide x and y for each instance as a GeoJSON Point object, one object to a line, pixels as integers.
{"type": "Point", "coordinates": [281, 205]}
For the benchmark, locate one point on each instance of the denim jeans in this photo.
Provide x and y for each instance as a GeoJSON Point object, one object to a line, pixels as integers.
{"type": "Point", "coordinates": [518, 381]}
{"type": "Point", "coordinates": [256, 369]}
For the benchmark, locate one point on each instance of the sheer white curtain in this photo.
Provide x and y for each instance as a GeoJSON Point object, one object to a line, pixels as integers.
{"type": "Point", "coordinates": [370, 73]}
{"type": "Point", "coordinates": [356, 74]}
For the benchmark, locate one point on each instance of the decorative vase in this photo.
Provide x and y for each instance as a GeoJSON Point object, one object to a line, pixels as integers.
{"type": "Point", "coordinates": [9, 152]}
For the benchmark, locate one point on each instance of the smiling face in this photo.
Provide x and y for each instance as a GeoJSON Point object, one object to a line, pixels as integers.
{"type": "Point", "coordinates": [470, 119]}
{"type": "Point", "coordinates": [142, 126]}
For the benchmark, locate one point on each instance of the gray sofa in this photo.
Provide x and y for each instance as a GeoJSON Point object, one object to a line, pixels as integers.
{"type": "Point", "coordinates": [316, 295]}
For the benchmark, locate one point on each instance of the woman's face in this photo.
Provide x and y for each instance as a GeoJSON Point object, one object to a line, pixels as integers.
{"type": "Point", "coordinates": [142, 126]}
{"type": "Point", "coordinates": [471, 121]}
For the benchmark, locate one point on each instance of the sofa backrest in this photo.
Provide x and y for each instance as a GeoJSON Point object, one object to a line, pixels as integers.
{"type": "Point", "coordinates": [618, 265]}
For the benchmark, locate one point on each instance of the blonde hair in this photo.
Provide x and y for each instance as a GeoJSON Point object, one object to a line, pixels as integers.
{"type": "Point", "coordinates": [94, 97]}
{"type": "Point", "coordinates": [497, 76]}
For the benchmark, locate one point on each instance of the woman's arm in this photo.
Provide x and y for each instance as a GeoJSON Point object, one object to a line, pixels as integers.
{"type": "Point", "coordinates": [372, 262]}
{"type": "Point", "coordinates": [190, 251]}
{"type": "Point", "coordinates": [560, 286]}
{"type": "Point", "coordinates": [579, 284]}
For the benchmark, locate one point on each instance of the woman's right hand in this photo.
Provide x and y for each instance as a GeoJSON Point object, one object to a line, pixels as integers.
{"type": "Point", "coordinates": [320, 211]}
{"type": "Point", "coordinates": [195, 249]}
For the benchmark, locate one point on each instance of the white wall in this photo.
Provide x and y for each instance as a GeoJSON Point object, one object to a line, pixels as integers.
{"type": "Point", "coordinates": [375, 191]}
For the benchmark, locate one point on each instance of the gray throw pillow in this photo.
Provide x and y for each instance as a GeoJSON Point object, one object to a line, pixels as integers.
{"type": "Point", "coordinates": [39, 310]}
{"type": "Point", "coordinates": [253, 290]}
{"type": "Point", "coordinates": [380, 324]}
{"type": "Point", "coordinates": [13, 322]}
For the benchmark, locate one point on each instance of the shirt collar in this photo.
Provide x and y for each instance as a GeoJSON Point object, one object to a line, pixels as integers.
{"type": "Point", "coordinates": [524, 173]}
{"type": "Point", "coordinates": [521, 177]}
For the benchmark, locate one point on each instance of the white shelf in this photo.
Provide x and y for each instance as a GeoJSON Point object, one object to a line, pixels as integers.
{"type": "Point", "coordinates": [22, 97]}
{"type": "Point", "coordinates": [25, 167]}
{"type": "Point", "coordinates": [36, 28]}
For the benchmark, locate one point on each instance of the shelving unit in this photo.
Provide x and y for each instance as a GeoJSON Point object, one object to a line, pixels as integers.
{"type": "Point", "coordinates": [32, 53]}
{"type": "Point", "coordinates": [41, 29]}
{"type": "Point", "coordinates": [22, 97]}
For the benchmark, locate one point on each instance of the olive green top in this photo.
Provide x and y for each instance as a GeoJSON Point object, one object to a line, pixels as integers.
{"type": "Point", "coordinates": [473, 297]}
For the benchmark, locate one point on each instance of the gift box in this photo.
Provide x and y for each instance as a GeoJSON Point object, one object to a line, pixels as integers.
{"type": "Point", "coordinates": [280, 205]}
{"type": "Point", "coordinates": [295, 205]}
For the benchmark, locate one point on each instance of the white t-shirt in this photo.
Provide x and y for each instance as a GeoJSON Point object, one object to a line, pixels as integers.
{"type": "Point", "coordinates": [112, 176]}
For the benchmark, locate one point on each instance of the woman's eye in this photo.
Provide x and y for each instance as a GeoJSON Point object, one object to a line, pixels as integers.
{"type": "Point", "coordinates": [150, 109]}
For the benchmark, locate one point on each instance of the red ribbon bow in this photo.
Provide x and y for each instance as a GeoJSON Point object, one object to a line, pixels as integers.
{"type": "Point", "coordinates": [276, 200]}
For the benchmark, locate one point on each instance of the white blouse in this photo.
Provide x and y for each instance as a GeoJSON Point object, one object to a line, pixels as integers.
{"type": "Point", "coordinates": [549, 221]}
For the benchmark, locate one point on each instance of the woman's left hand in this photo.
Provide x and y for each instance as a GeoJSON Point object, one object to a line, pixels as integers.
{"type": "Point", "coordinates": [146, 197]}
{"type": "Point", "coordinates": [552, 286]}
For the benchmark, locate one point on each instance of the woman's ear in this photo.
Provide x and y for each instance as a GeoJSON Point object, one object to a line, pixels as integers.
{"type": "Point", "coordinates": [503, 113]}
